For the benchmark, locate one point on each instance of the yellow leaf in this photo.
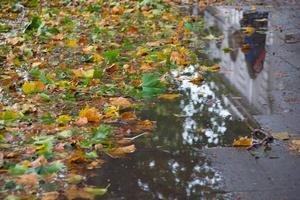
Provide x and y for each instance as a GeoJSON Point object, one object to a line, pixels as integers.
{"type": "Point", "coordinates": [243, 142]}
{"type": "Point", "coordinates": [112, 112]}
{"type": "Point", "coordinates": [91, 114]}
{"type": "Point", "coordinates": [33, 87]}
{"type": "Point", "coordinates": [71, 43]}
{"type": "Point", "coordinates": [213, 68]}
{"type": "Point", "coordinates": [196, 80]}
{"type": "Point", "coordinates": [97, 57]}
{"type": "Point", "coordinates": [169, 96]}
{"type": "Point", "coordinates": [120, 151]}
{"type": "Point", "coordinates": [281, 135]}
{"type": "Point", "coordinates": [63, 119]}
{"type": "Point", "coordinates": [81, 73]}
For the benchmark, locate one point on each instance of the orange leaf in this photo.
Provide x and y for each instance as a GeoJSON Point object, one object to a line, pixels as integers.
{"type": "Point", "coordinates": [243, 142]}
{"type": "Point", "coordinates": [92, 114]}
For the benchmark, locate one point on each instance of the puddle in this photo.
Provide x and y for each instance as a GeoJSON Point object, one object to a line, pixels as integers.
{"type": "Point", "coordinates": [170, 164]}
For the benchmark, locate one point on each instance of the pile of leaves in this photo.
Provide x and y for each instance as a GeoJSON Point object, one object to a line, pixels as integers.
{"type": "Point", "coordinates": [73, 74]}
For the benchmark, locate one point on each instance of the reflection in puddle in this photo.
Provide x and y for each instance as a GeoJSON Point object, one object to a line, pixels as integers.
{"type": "Point", "coordinates": [170, 164]}
{"type": "Point", "coordinates": [245, 33]}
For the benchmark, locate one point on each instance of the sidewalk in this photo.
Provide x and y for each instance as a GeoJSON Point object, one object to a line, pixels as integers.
{"type": "Point", "coordinates": [274, 94]}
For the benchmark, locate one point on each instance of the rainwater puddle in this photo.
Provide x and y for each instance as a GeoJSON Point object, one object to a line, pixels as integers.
{"type": "Point", "coordinates": [170, 164]}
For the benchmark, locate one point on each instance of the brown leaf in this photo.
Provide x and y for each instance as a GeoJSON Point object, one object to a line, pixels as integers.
{"type": "Point", "coordinates": [82, 121]}
{"type": "Point", "coordinates": [120, 101]}
{"type": "Point", "coordinates": [76, 193]}
{"type": "Point", "coordinates": [1, 159]}
{"type": "Point", "coordinates": [29, 180]}
{"type": "Point", "coordinates": [39, 161]}
{"type": "Point", "coordinates": [120, 151]}
{"type": "Point", "coordinates": [281, 136]}
{"type": "Point", "coordinates": [169, 96]}
{"type": "Point", "coordinates": [50, 196]}
{"type": "Point", "coordinates": [128, 116]}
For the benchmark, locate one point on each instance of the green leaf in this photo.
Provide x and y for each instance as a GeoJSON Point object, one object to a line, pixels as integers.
{"type": "Point", "coordinates": [51, 168]}
{"type": "Point", "coordinates": [227, 50]}
{"type": "Point", "coordinates": [65, 134]}
{"type": "Point", "coordinates": [18, 170]}
{"type": "Point", "coordinates": [96, 191]}
{"type": "Point", "coordinates": [12, 197]}
{"type": "Point", "coordinates": [34, 24]}
{"type": "Point", "coordinates": [151, 85]}
{"type": "Point", "coordinates": [111, 56]}
{"type": "Point", "coordinates": [91, 155]}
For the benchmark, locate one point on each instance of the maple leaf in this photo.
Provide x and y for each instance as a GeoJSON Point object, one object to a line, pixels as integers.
{"type": "Point", "coordinates": [91, 114]}
{"type": "Point", "coordinates": [33, 87]}
{"type": "Point", "coordinates": [243, 142]}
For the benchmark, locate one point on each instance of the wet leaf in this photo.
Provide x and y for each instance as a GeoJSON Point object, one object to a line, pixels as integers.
{"type": "Point", "coordinates": [295, 146]}
{"type": "Point", "coordinates": [28, 180]}
{"type": "Point", "coordinates": [91, 114]}
{"type": "Point", "coordinates": [227, 50]}
{"type": "Point", "coordinates": [243, 142]}
{"type": "Point", "coordinates": [169, 96]}
{"type": "Point", "coordinates": [65, 134]}
{"type": "Point", "coordinates": [74, 178]}
{"type": "Point", "coordinates": [82, 121]}
{"type": "Point", "coordinates": [281, 136]}
{"type": "Point", "coordinates": [120, 101]}
{"type": "Point", "coordinates": [50, 196]}
{"type": "Point", "coordinates": [18, 170]}
{"type": "Point", "coordinates": [51, 168]}
{"type": "Point", "coordinates": [151, 85]}
{"type": "Point", "coordinates": [1, 159]}
{"type": "Point", "coordinates": [63, 119]}
{"type": "Point", "coordinates": [96, 191]}
{"type": "Point", "coordinates": [82, 73]}
{"type": "Point", "coordinates": [120, 151]}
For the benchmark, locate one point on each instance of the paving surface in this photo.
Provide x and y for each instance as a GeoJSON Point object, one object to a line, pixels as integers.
{"type": "Point", "coordinates": [274, 93]}
{"type": "Point", "coordinates": [275, 177]}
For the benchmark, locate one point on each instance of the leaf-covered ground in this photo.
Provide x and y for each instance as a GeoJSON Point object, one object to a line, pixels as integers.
{"type": "Point", "coordinates": [73, 74]}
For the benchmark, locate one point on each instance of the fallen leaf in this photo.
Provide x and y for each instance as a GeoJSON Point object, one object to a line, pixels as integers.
{"type": "Point", "coordinates": [74, 178]}
{"type": "Point", "coordinates": [63, 119]}
{"type": "Point", "coordinates": [120, 101]}
{"type": "Point", "coordinates": [96, 191]}
{"type": "Point", "coordinates": [243, 142]}
{"type": "Point", "coordinates": [281, 136]}
{"type": "Point", "coordinates": [169, 96]}
{"type": "Point", "coordinates": [91, 114]}
{"type": "Point", "coordinates": [128, 116]}
{"type": "Point", "coordinates": [295, 145]}
{"type": "Point", "coordinates": [120, 151]}
{"type": "Point", "coordinates": [1, 159]}
{"type": "Point", "coordinates": [33, 87]}
{"type": "Point", "coordinates": [82, 121]}
{"type": "Point", "coordinates": [76, 193]}
{"type": "Point", "coordinates": [28, 180]}
{"type": "Point", "coordinates": [82, 73]}
{"type": "Point", "coordinates": [50, 196]}
{"type": "Point", "coordinates": [39, 161]}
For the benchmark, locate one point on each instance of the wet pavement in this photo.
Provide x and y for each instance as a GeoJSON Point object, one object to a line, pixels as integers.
{"type": "Point", "coordinates": [263, 67]}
